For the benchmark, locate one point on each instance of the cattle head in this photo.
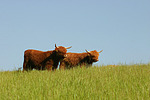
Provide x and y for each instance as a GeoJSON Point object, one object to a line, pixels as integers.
{"type": "Point", "coordinates": [93, 55]}
{"type": "Point", "coordinates": [61, 51]}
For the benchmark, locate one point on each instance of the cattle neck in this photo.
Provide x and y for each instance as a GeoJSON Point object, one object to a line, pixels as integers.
{"type": "Point", "coordinates": [86, 58]}
{"type": "Point", "coordinates": [56, 55]}
{"type": "Point", "coordinates": [53, 54]}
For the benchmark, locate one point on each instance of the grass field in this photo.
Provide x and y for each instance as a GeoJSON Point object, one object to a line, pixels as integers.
{"type": "Point", "coordinates": [124, 82]}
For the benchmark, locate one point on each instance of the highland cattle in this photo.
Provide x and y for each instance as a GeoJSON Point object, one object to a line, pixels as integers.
{"type": "Point", "coordinates": [79, 59]}
{"type": "Point", "coordinates": [35, 59]}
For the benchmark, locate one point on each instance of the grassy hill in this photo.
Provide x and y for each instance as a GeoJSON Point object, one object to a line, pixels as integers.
{"type": "Point", "coordinates": [125, 82]}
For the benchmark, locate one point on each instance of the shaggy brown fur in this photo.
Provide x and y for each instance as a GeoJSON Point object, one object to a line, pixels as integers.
{"type": "Point", "coordinates": [35, 59]}
{"type": "Point", "coordinates": [75, 59]}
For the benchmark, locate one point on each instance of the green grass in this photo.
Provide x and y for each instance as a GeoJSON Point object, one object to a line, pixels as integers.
{"type": "Point", "coordinates": [125, 82]}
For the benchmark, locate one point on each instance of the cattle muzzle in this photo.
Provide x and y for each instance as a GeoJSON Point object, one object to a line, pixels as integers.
{"type": "Point", "coordinates": [95, 60]}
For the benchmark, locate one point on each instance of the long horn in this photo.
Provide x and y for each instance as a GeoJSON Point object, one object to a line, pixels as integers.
{"type": "Point", "coordinates": [68, 47]}
{"type": "Point", "coordinates": [55, 46]}
{"type": "Point", "coordinates": [87, 51]}
{"type": "Point", "coordinates": [100, 51]}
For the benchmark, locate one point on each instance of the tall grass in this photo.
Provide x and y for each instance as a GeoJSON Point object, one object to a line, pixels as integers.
{"type": "Point", "coordinates": [106, 82]}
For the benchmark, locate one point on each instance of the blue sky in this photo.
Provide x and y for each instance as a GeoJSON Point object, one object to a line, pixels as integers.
{"type": "Point", "coordinates": [120, 27]}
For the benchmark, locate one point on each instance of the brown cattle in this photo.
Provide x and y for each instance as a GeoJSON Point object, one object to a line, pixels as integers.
{"type": "Point", "coordinates": [35, 59]}
{"type": "Point", "coordinates": [75, 59]}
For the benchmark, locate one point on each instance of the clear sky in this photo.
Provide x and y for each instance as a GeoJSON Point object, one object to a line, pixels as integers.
{"type": "Point", "coordinates": [120, 27]}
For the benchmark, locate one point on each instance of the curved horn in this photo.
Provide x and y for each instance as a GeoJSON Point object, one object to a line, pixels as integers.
{"type": "Point", "coordinates": [100, 51]}
{"type": "Point", "coordinates": [68, 47]}
{"type": "Point", "coordinates": [87, 51]}
{"type": "Point", "coordinates": [55, 46]}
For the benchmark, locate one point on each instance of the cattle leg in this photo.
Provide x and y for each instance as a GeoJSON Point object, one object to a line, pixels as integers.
{"type": "Point", "coordinates": [27, 66]}
{"type": "Point", "coordinates": [55, 66]}
{"type": "Point", "coordinates": [83, 65]}
{"type": "Point", "coordinates": [24, 66]}
{"type": "Point", "coordinates": [62, 66]}
{"type": "Point", "coordinates": [48, 67]}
